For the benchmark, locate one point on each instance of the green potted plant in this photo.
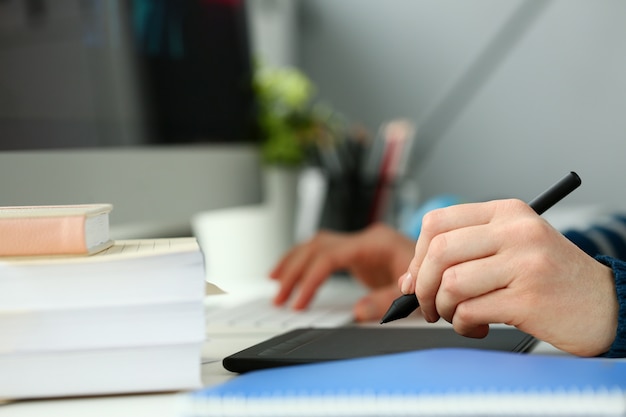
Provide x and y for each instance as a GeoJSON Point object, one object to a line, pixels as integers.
{"type": "Point", "coordinates": [288, 119]}
{"type": "Point", "coordinates": [293, 128]}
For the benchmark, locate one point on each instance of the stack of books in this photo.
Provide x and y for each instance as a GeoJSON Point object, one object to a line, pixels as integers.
{"type": "Point", "coordinates": [127, 319]}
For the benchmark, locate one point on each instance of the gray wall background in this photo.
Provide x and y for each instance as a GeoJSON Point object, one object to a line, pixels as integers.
{"type": "Point", "coordinates": [509, 94]}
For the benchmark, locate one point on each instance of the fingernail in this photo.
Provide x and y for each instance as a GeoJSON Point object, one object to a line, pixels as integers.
{"type": "Point", "coordinates": [365, 310]}
{"type": "Point", "coordinates": [407, 284]}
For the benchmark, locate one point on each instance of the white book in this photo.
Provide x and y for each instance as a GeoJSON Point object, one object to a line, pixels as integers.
{"type": "Point", "coordinates": [130, 271]}
{"type": "Point", "coordinates": [101, 327]}
{"type": "Point", "coordinates": [100, 371]}
{"type": "Point", "coordinates": [127, 319]}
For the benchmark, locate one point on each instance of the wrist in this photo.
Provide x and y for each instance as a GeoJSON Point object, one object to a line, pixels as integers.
{"type": "Point", "coordinates": [618, 346]}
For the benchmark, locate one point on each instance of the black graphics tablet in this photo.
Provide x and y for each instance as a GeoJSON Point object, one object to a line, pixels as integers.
{"type": "Point", "coordinates": [324, 344]}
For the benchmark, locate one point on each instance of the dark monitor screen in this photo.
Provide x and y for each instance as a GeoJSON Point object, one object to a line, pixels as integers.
{"type": "Point", "coordinates": [125, 72]}
{"type": "Point", "coordinates": [194, 60]}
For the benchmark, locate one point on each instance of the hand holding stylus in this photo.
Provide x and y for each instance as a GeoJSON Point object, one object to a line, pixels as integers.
{"type": "Point", "coordinates": [406, 304]}
{"type": "Point", "coordinates": [498, 262]}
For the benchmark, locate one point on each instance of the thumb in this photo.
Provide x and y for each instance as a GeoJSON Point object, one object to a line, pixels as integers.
{"type": "Point", "coordinates": [374, 305]}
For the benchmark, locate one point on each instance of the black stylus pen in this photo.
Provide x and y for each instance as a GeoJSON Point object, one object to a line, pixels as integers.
{"type": "Point", "coordinates": [406, 304]}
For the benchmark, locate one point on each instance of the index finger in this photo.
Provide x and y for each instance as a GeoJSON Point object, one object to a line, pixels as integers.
{"type": "Point", "coordinates": [434, 223]}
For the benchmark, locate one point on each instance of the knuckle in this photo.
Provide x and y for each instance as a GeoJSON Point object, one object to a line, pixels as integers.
{"type": "Point", "coordinates": [464, 318]}
{"type": "Point", "coordinates": [450, 282]}
{"type": "Point", "coordinates": [377, 228]}
{"type": "Point", "coordinates": [531, 229]}
{"type": "Point", "coordinates": [514, 205]}
{"type": "Point", "coordinates": [319, 240]}
{"type": "Point", "coordinates": [437, 248]}
{"type": "Point", "coordinates": [320, 236]}
{"type": "Point", "coordinates": [422, 292]}
{"type": "Point", "coordinates": [430, 221]}
{"type": "Point", "coordinates": [463, 314]}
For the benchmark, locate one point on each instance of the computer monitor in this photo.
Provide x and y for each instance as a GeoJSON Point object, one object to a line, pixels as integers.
{"type": "Point", "coordinates": [145, 104]}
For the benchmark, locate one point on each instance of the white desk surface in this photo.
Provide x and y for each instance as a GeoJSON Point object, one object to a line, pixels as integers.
{"type": "Point", "coordinates": [161, 404]}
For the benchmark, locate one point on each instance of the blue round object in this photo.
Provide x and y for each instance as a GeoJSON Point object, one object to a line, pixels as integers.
{"type": "Point", "coordinates": [414, 224]}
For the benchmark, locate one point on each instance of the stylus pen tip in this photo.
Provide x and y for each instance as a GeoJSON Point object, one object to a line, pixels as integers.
{"type": "Point", "coordinates": [401, 308]}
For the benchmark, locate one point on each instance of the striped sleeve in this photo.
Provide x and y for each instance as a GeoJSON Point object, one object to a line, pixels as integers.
{"type": "Point", "coordinates": [604, 237]}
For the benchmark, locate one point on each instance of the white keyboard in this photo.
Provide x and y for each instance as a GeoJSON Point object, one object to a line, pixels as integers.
{"type": "Point", "coordinates": [332, 307]}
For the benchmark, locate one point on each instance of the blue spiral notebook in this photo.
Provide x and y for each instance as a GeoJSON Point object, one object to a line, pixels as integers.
{"type": "Point", "coordinates": [442, 382]}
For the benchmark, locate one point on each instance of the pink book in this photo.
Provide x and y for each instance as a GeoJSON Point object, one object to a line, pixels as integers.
{"type": "Point", "coordinates": [80, 229]}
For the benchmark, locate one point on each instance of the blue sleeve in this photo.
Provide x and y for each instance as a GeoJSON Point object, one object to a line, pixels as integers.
{"type": "Point", "coordinates": [618, 348]}
{"type": "Point", "coordinates": [604, 237]}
